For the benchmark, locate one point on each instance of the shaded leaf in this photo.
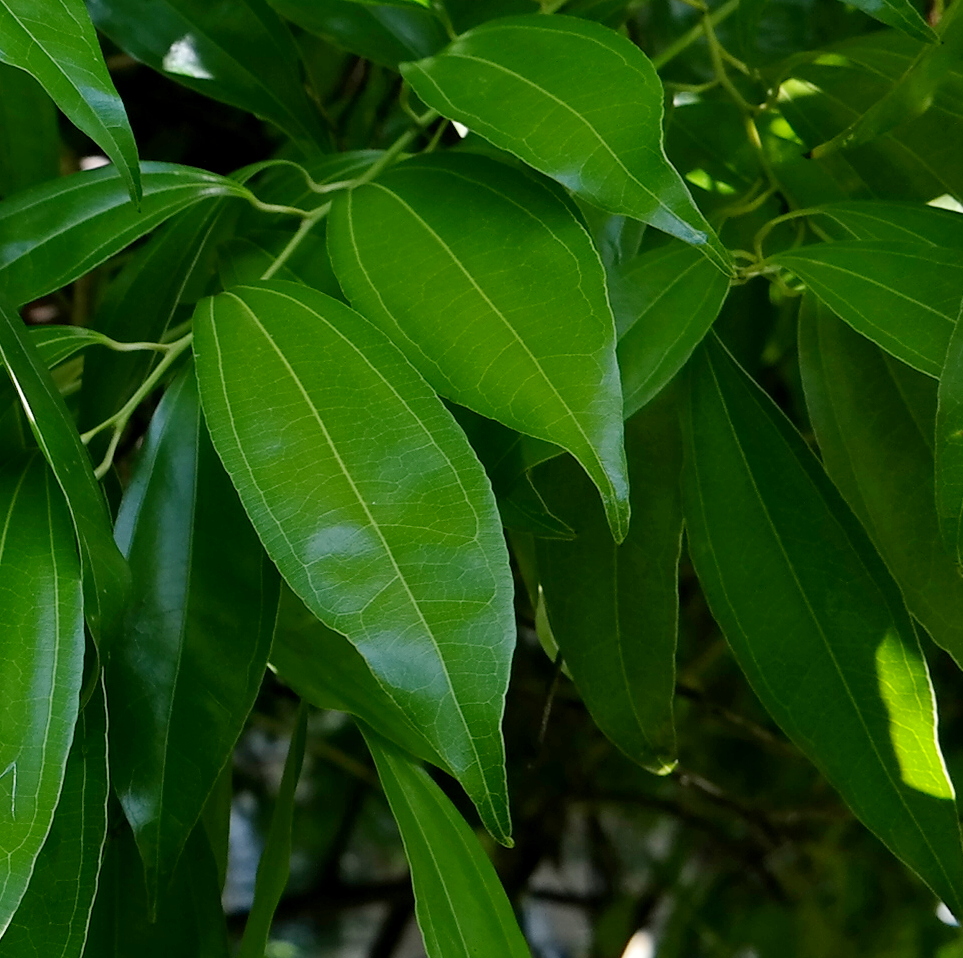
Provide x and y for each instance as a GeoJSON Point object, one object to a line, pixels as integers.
{"type": "Point", "coordinates": [245, 259]}
{"type": "Point", "coordinates": [900, 14]}
{"type": "Point", "coordinates": [949, 446]}
{"type": "Point", "coordinates": [889, 222]}
{"type": "Point", "coordinates": [29, 141]}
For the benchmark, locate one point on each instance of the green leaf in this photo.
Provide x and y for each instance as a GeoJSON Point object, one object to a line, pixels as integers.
{"type": "Point", "coordinates": [460, 905]}
{"type": "Point", "coordinates": [41, 622]}
{"type": "Point", "coordinates": [236, 51]}
{"type": "Point", "coordinates": [29, 141]}
{"type": "Point", "coordinates": [275, 864]}
{"type": "Point", "coordinates": [245, 259]}
{"type": "Point", "coordinates": [874, 420]}
{"type": "Point", "coordinates": [56, 232]}
{"type": "Point", "coordinates": [889, 222]}
{"type": "Point", "coordinates": [52, 919]}
{"type": "Point", "coordinates": [511, 80]}
{"type": "Point", "coordinates": [814, 619]}
{"type": "Point", "coordinates": [396, 3]}
{"type": "Point", "coordinates": [905, 297]}
{"type": "Point", "coordinates": [901, 14]}
{"type": "Point", "coordinates": [56, 43]}
{"type": "Point", "coordinates": [369, 500]}
{"type": "Point", "coordinates": [949, 446]}
{"type": "Point", "coordinates": [327, 671]}
{"type": "Point", "coordinates": [613, 609]}
{"type": "Point", "coordinates": [664, 303]}
{"type": "Point", "coordinates": [197, 634]}
{"type": "Point", "coordinates": [525, 257]}
{"type": "Point", "coordinates": [105, 574]}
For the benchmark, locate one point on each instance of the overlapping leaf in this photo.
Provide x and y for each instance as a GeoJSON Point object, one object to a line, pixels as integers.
{"type": "Point", "coordinates": [29, 140]}
{"type": "Point", "coordinates": [949, 446]}
{"type": "Point", "coordinates": [890, 222]}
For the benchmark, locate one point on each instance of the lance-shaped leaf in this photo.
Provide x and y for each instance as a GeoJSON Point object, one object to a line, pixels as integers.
{"type": "Point", "coordinates": [814, 618]}
{"type": "Point", "coordinates": [105, 572]}
{"type": "Point", "coordinates": [29, 140]}
{"type": "Point", "coordinates": [525, 257]}
{"type": "Point", "coordinates": [198, 631]}
{"type": "Point", "coordinates": [56, 232]}
{"type": "Point", "coordinates": [901, 14]}
{"type": "Point", "coordinates": [613, 609]}
{"type": "Point", "coordinates": [236, 51]}
{"type": "Point", "coordinates": [42, 638]}
{"type": "Point", "coordinates": [461, 907]}
{"type": "Point", "coordinates": [368, 498]}
{"type": "Point", "coordinates": [576, 101]}
{"type": "Point", "coordinates": [56, 43]}
{"type": "Point", "coordinates": [874, 419]}
{"type": "Point", "coordinates": [890, 222]}
{"type": "Point", "coordinates": [904, 297]}
{"type": "Point", "coordinates": [664, 303]}
{"type": "Point", "coordinates": [949, 446]}
{"type": "Point", "coordinates": [52, 919]}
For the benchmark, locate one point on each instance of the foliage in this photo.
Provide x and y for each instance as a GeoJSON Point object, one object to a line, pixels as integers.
{"type": "Point", "coordinates": [571, 393]}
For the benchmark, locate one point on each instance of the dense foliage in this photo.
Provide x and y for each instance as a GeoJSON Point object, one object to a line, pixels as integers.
{"type": "Point", "coordinates": [503, 458]}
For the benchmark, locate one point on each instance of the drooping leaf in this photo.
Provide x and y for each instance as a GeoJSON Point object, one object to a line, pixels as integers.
{"type": "Point", "coordinates": [664, 303]}
{"type": "Point", "coordinates": [204, 598]}
{"type": "Point", "coordinates": [461, 907]}
{"type": "Point", "coordinates": [949, 446]}
{"type": "Point", "coordinates": [29, 141]}
{"type": "Point", "coordinates": [42, 637]}
{"type": "Point", "coordinates": [236, 51]}
{"type": "Point", "coordinates": [905, 297]}
{"type": "Point", "coordinates": [576, 101]}
{"type": "Point", "coordinates": [55, 232]}
{"type": "Point", "coordinates": [369, 500]}
{"type": "Point", "coordinates": [874, 420]}
{"type": "Point", "coordinates": [105, 572]}
{"type": "Point", "coordinates": [52, 919]}
{"type": "Point", "coordinates": [613, 609]}
{"type": "Point", "coordinates": [525, 257]}
{"type": "Point", "coordinates": [890, 222]}
{"type": "Point", "coordinates": [56, 43]}
{"type": "Point", "coordinates": [814, 619]}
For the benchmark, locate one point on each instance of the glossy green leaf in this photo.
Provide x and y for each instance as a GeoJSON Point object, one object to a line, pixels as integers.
{"type": "Point", "coordinates": [197, 635]}
{"type": "Point", "coordinates": [526, 256]}
{"type": "Point", "coordinates": [105, 572]}
{"type": "Point", "coordinates": [889, 222]}
{"type": "Point", "coordinates": [29, 141]}
{"type": "Point", "coordinates": [52, 919]}
{"type": "Point", "coordinates": [366, 495]}
{"type": "Point", "coordinates": [613, 609]}
{"type": "Point", "coordinates": [327, 671]}
{"type": "Point", "coordinates": [905, 297]}
{"type": "Point", "coordinates": [54, 233]}
{"type": "Point", "coordinates": [576, 101]}
{"type": "Point", "coordinates": [275, 864]}
{"type": "Point", "coordinates": [461, 907]}
{"type": "Point", "coordinates": [949, 446]}
{"type": "Point", "coordinates": [42, 629]}
{"type": "Point", "coordinates": [814, 619]}
{"type": "Point", "coordinates": [236, 51]}
{"type": "Point", "coordinates": [56, 44]}
{"type": "Point", "coordinates": [901, 14]}
{"type": "Point", "coordinates": [874, 420]}
{"type": "Point", "coordinates": [664, 303]}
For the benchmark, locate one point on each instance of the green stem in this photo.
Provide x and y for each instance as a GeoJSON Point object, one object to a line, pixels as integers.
{"type": "Point", "coordinates": [307, 224]}
{"type": "Point", "coordinates": [695, 34]}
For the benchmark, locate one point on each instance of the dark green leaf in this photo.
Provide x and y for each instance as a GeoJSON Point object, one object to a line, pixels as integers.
{"type": "Point", "coordinates": [905, 297]}
{"type": "Point", "coordinates": [596, 129]}
{"type": "Point", "coordinates": [29, 141]}
{"type": "Point", "coordinates": [901, 14]}
{"type": "Point", "coordinates": [889, 222]}
{"type": "Point", "coordinates": [367, 496]}
{"type": "Point", "coordinates": [466, 14]}
{"type": "Point", "coordinates": [461, 907]}
{"type": "Point", "coordinates": [197, 635]}
{"type": "Point", "coordinates": [237, 51]}
{"type": "Point", "coordinates": [949, 446]}
{"type": "Point", "coordinates": [613, 609]}
{"type": "Point", "coordinates": [56, 44]}
{"type": "Point", "coordinates": [526, 256]}
{"type": "Point", "coordinates": [52, 919]}
{"type": "Point", "coordinates": [874, 419]}
{"type": "Point", "coordinates": [41, 621]}
{"type": "Point", "coordinates": [814, 618]}
{"type": "Point", "coordinates": [246, 259]}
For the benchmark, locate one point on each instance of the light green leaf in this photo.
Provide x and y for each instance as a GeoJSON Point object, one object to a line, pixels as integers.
{"type": "Point", "coordinates": [56, 232]}
{"type": "Point", "coordinates": [29, 140]}
{"type": "Point", "coordinates": [889, 222]}
{"type": "Point", "coordinates": [42, 640]}
{"type": "Point", "coordinates": [905, 297]}
{"type": "Point", "coordinates": [614, 609]}
{"type": "Point", "coordinates": [814, 619]}
{"type": "Point", "coordinates": [460, 905]}
{"type": "Point", "coordinates": [236, 51]}
{"type": "Point", "coordinates": [525, 256]}
{"type": "Point", "coordinates": [366, 495]}
{"type": "Point", "coordinates": [874, 420]}
{"type": "Point", "coordinates": [52, 919]}
{"type": "Point", "coordinates": [204, 599]}
{"type": "Point", "coordinates": [596, 129]}
{"type": "Point", "coordinates": [949, 446]}
{"type": "Point", "coordinates": [56, 43]}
